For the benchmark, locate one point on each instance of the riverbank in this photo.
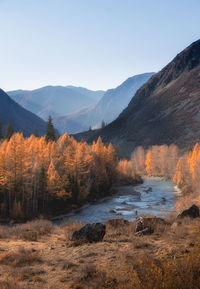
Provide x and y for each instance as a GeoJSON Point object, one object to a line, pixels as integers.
{"type": "Point", "coordinates": [154, 196]}
{"type": "Point", "coordinates": [64, 209]}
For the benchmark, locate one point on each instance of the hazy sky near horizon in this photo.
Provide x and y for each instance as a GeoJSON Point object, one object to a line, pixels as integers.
{"type": "Point", "coordinates": [91, 43]}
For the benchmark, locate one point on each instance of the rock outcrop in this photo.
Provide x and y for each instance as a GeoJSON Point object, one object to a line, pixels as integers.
{"type": "Point", "coordinates": [117, 222]}
{"type": "Point", "coordinates": [192, 212]}
{"type": "Point", "coordinates": [90, 233]}
{"type": "Point", "coordinates": [152, 223]}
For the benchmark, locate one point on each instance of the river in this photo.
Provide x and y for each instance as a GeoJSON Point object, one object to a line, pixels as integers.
{"type": "Point", "coordinates": [155, 196]}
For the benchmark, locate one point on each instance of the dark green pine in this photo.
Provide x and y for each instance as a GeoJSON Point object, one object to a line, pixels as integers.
{"type": "Point", "coordinates": [1, 130]}
{"type": "Point", "coordinates": [9, 131]}
{"type": "Point", "coordinates": [50, 131]}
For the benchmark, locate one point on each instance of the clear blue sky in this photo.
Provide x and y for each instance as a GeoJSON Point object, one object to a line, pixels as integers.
{"type": "Point", "coordinates": [92, 43]}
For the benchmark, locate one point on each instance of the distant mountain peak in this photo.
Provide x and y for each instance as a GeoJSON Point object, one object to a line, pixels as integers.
{"type": "Point", "coordinates": [107, 108]}
{"type": "Point", "coordinates": [55, 100]}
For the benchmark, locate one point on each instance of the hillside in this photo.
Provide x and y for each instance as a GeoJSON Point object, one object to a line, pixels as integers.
{"type": "Point", "coordinates": [22, 119]}
{"type": "Point", "coordinates": [107, 109]}
{"type": "Point", "coordinates": [165, 110]}
{"type": "Point", "coordinates": [55, 100]}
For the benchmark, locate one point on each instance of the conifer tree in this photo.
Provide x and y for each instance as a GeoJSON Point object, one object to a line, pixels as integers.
{"type": "Point", "coordinates": [103, 124]}
{"type": "Point", "coordinates": [9, 131]}
{"type": "Point", "coordinates": [42, 187]}
{"type": "Point", "coordinates": [50, 131]}
{"type": "Point", "coordinates": [36, 134]}
{"type": "Point", "coordinates": [1, 130]}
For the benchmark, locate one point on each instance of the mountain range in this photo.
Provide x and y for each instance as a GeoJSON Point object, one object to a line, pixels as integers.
{"type": "Point", "coordinates": [164, 110]}
{"type": "Point", "coordinates": [55, 100]}
{"type": "Point", "coordinates": [21, 119]}
{"type": "Point", "coordinates": [107, 108]}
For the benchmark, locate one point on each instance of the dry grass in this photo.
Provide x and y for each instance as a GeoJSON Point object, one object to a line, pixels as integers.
{"type": "Point", "coordinates": [19, 258]}
{"type": "Point", "coordinates": [150, 273]}
{"type": "Point", "coordinates": [166, 259]}
{"type": "Point", "coordinates": [30, 231]}
{"type": "Point", "coordinates": [68, 231]}
{"type": "Point", "coordinates": [92, 277]}
{"type": "Point", "coordinates": [9, 284]}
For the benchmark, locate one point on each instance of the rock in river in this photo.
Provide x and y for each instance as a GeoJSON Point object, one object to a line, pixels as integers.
{"type": "Point", "coordinates": [90, 233]}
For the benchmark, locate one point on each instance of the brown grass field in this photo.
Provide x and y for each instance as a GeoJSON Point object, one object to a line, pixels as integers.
{"type": "Point", "coordinates": [40, 255]}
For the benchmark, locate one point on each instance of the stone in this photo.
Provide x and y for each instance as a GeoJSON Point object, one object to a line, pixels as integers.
{"type": "Point", "coordinates": [153, 223]}
{"type": "Point", "coordinates": [192, 212]}
{"type": "Point", "coordinates": [90, 233]}
{"type": "Point", "coordinates": [117, 222]}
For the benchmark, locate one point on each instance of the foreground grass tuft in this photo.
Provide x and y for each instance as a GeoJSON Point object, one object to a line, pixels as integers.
{"type": "Point", "coordinates": [19, 258]}
{"type": "Point", "coordinates": [30, 231]}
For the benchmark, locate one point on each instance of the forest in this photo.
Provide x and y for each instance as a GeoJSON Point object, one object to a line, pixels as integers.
{"type": "Point", "coordinates": [38, 175]}
{"type": "Point", "coordinates": [183, 168]}
{"type": "Point", "coordinates": [45, 176]}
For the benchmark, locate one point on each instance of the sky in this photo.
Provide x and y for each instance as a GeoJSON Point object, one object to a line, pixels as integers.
{"type": "Point", "coordinates": [91, 43]}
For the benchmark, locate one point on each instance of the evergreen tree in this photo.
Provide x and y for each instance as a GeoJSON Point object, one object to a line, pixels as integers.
{"type": "Point", "coordinates": [42, 188]}
{"type": "Point", "coordinates": [1, 130]}
{"type": "Point", "coordinates": [9, 131]}
{"type": "Point", "coordinates": [50, 131]}
{"type": "Point", "coordinates": [36, 134]}
{"type": "Point", "coordinates": [103, 124]}
{"type": "Point", "coordinates": [73, 186]}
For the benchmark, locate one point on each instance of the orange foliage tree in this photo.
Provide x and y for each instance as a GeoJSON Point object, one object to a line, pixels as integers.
{"type": "Point", "coordinates": [36, 175]}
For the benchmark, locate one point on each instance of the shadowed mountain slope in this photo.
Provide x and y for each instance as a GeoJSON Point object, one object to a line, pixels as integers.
{"type": "Point", "coordinates": [22, 119]}
{"type": "Point", "coordinates": [165, 110]}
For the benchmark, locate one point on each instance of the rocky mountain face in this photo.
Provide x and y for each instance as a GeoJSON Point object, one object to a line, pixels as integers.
{"type": "Point", "coordinates": [107, 109]}
{"type": "Point", "coordinates": [22, 119]}
{"type": "Point", "coordinates": [55, 100]}
{"type": "Point", "coordinates": [165, 110]}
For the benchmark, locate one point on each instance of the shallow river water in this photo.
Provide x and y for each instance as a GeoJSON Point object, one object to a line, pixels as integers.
{"type": "Point", "coordinates": [155, 196]}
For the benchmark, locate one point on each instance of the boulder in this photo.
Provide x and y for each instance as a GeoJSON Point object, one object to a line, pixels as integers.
{"type": "Point", "coordinates": [117, 222]}
{"type": "Point", "coordinates": [153, 223]}
{"type": "Point", "coordinates": [90, 233]}
{"type": "Point", "coordinates": [146, 231]}
{"type": "Point", "coordinates": [192, 212]}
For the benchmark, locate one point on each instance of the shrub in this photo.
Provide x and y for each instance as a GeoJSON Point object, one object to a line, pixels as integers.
{"type": "Point", "coordinates": [19, 258]}
{"type": "Point", "coordinates": [29, 231]}
{"type": "Point", "coordinates": [70, 228]}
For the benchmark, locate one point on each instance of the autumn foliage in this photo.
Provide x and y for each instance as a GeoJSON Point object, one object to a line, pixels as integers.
{"type": "Point", "coordinates": [36, 175]}
{"type": "Point", "coordinates": [169, 162]}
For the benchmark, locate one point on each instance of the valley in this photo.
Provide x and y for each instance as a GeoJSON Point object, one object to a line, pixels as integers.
{"type": "Point", "coordinates": [99, 188]}
{"type": "Point", "coordinates": [154, 197]}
